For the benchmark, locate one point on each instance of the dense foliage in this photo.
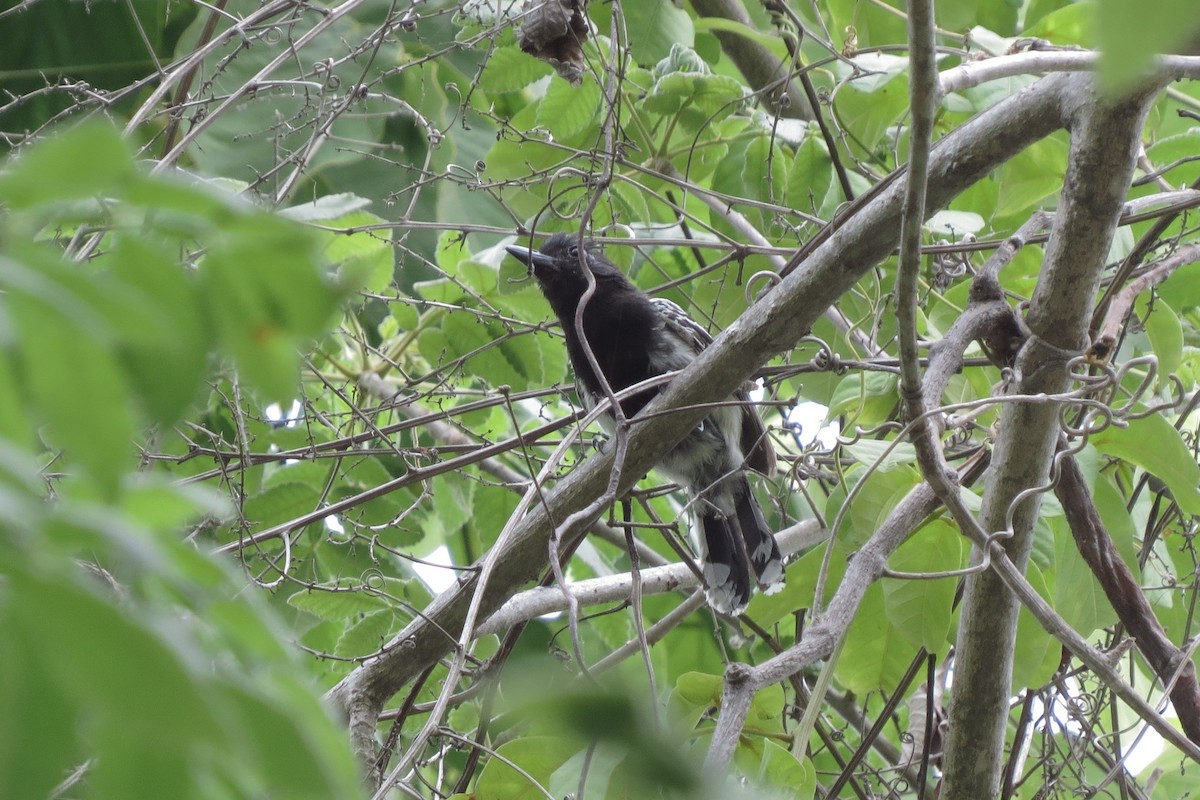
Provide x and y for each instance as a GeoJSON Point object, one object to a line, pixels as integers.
{"type": "Point", "coordinates": [269, 386]}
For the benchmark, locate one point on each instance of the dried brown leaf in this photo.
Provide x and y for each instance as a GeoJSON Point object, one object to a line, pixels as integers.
{"type": "Point", "coordinates": [555, 31]}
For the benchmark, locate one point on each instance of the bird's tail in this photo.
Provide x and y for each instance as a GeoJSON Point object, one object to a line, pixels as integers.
{"type": "Point", "coordinates": [736, 546]}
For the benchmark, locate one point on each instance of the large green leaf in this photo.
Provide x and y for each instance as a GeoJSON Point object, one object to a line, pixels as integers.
{"type": "Point", "coordinates": [874, 656]}
{"type": "Point", "coordinates": [921, 610]}
{"type": "Point", "coordinates": [1153, 444]}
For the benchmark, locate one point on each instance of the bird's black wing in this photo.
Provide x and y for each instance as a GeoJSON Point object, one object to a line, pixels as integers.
{"type": "Point", "coordinates": [756, 445]}
{"type": "Point", "coordinates": [680, 325]}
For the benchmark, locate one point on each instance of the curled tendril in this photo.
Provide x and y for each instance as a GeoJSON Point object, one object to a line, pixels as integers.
{"type": "Point", "coordinates": [1084, 703]}
{"type": "Point", "coordinates": [570, 210]}
{"type": "Point", "coordinates": [1055, 472]}
{"type": "Point", "coordinates": [373, 582]}
{"type": "Point", "coordinates": [827, 360]}
{"type": "Point", "coordinates": [283, 571]}
{"type": "Point", "coordinates": [769, 278]}
{"type": "Point", "coordinates": [868, 433]}
{"type": "Point", "coordinates": [961, 435]}
{"type": "Point", "coordinates": [1096, 418]}
{"type": "Point", "coordinates": [949, 266]}
{"type": "Point", "coordinates": [622, 229]}
{"type": "Point", "coordinates": [464, 174]}
{"type": "Point", "coordinates": [271, 35]}
{"type": "Point", "coordinates": [1146, 385]}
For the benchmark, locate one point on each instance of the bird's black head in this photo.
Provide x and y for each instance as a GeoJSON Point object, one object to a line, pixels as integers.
{"type": "Point", "coordinates": [558, 268]}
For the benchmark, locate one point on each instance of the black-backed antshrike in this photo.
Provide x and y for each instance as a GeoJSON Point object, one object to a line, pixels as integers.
{"type": "Point", "coordinates": [633, 338]}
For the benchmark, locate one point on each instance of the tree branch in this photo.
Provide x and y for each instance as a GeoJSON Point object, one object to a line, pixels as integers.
{"type": "Point", "coordinates": [1172, 665]}
{"type": "Point", "coordinates": [534, 603]}
{"type": "Point", "coordinates": [1104, 143]}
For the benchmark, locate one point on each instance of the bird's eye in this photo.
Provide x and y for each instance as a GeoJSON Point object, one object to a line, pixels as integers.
{"type": "Point", "coordinates": [573, 252]}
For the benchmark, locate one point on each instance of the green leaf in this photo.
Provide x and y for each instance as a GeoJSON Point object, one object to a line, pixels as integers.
{"type": "Point", "coordinates": [769, 764]}
{"type": "Point", "coordinates": [161, 337]}
{"type": "Point", "coordinates": [1182, 289]}
{"type": "Point", "coordinates": [537, 756]}
{"type": "Point", "coordinates": [874, 656]}
{"type": "Point", "coordinates": [1078, 596]}
{"type": "Point", "coordinates": [1036, 654]}
{"type": "Point", "coordinates": [365, 635]}
{"type": "Point", "coordinates": [872, 105]}
{"type": "Point", "coordinates": [712, 24]}
{"type": "Point", "coordinates": [699, 689]}
{"type": "Point", "coordinates": [489, 354]}
{"type": "Point", "coordinates": [680, 59]}
{"type": "Point", "coordinates": [453, 499]}
{"type": "Point", "coordinates": [810, 177]}
{"type": "Point", "coordinates": [768, 704]}
{"type": "Point", "coordinates": [798, 587]}
{"type": "Point", "coordinates": [511, 70]}
{"type": "Point", "coordinates": [875, 452]}
{"type": "Point", "coordinates": [1176, 155]}
{"type": "Point", "coordinates": [15, 425]}
{"type": "Point", "coordinates": [101, 46]}
{"type": "Point", "coordinates": [755, 168]}
{"type": "Point", "coordinates": [872, 24]}
{"type": "Point", "coordinates": [867, 399]}
{"type": "Point", "coordinates": [290, 744]}
{"type": "Point", "coordinates": [162, 701]}
{"type": "Point", "coordinates": [72, 373]}
{"type": "Point", "coordinates": [1153, 444]}
{"type": "Point", "coordinates": [684, 85]}
{"type": "Point", "coordinates": [954, 223]}
{"type": "Point", "coordinates": [266, 293]}
{"type": "Point", "coordinates": [1130, 34]}
{"type": "Point", "coordinates": [1072, 24]}
{"type": "Point", "coordinates": [38, 722]}
{"type": "Point", "coordinates": [601, 763]}
{"type": "Point", "coordinates": [327, 208]}
{"type": "Point", "coordinates": [89, 160]}
{"type": "Point", "coordinates": [1040, 8]}
{"type": "Point", "coordinates": [1000, 17]}
{"type": "Point", "coordinates": [567, 111]}
{"type": "Point", "coordinates": [1117, 520]}
{"type": "Point", "coordinates": [362, 257]}
{"type": "Point", "coordinates": [921, 610]}
{"type": "Point", "coordinates": [1166, 336]}
{"type": "Point", "coordinates": [1033, 174]}
{"type": "Point", "coordinates": [338, 602]}
{"type": "Point", "coordinates": [280, 503]}
{"type": "Point", "coordinates": [654, 27]}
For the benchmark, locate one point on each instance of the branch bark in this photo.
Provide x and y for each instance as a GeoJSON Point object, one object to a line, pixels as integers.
{"type": "Point", "coordinates": [1172, 665]}
{"type": "Point", "coordinates": [1104, 143]}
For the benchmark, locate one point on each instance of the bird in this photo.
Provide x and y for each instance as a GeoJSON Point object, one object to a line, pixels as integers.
{"type": "Point", "coordinates": [634, 337]}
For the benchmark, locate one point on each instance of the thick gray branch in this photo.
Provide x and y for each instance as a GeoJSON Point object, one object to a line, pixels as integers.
{"type": "Point", "coordinates": [1104, 142]}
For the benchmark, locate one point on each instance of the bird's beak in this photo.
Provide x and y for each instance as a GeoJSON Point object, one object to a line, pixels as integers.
{"type": "Point", "coordinates": [530, 258]}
